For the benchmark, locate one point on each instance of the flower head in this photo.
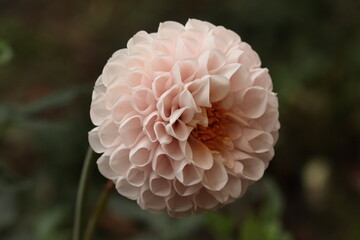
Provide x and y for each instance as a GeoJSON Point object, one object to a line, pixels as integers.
{"type": "Point", "coordinates": [186, 118]}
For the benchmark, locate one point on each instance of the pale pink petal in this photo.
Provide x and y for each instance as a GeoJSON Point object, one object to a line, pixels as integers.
{"type": "Point", "coordinates": [126, 189]}
{"type": "Point", "coordinates": [210, 62]}
{"type": "Point", "coordinates": [122, 109]}
{"type": "Point", "coordinates": [254, 141]}
{"type": "Point", "coordinates": [266, 156]}
{"type": "Point", "coordinates": [253, 168]}
{"type": "Point", "coordinates": [183, 190]}
{"type": "Point", "coordinates": [163, 165]}
{"type": "Point", "coordinates": [165, 47]}
{"type": "Point", "coordinates": [253, 102]}
{"type": "Point", "coordinates": [228, 102]}
{"type": "Point", "coordinates": [143, 101]}
{"type": "Point", "coordinates": [178, 130]}
{"type": "Point", "coordinates": [190, 175]}
{"type": "Point", "coordinates": [205, 200]}
{"type": "Point", "coordinates": [99, 86]}
{"type": "Point", "coordinates": [161, 134]}
{"type": "Point", "coordinates": [149, 200]}
{"type": "Point", "coordinates": [114, 93]}
{"type": "Point", "coordinates": [186, 48]}
{"type": "Point", "coordinates": [173, 149]}
{"type": "Point", "coordinates": [230, 37]}
{"type": "Point", "coordinates": [162, 63]}
{"type": "Point", "coordinates": [111, 72]}
{"type": "Point", "coordinates": [159, 186]}
{"type": "Point", "coordinates": [186, 150]}
{"type": "Point", "coordinates": [250, 58]}
{"type": "Point", "coordinates": [161, 84]}
{"type": "Point", "coordinates": [130, 130]}
{"type": "Point", "coordinates": [179, 204]}
{"type": "Point", "coordinates": [269, 119]}
{"type": "Point", "coordinates": [219, 87]}
{"type": "Point", "coordinates": [221, 196]}
{"type": "Point", "coordinates": [234, 186]}
{"type": "Point", "coordinates": [139, 37]}
{"type": "Point", "coordinates": [108, 134]}
{"type": "Point", "coordinates": [94, 141]}
{"type": "Point", "coordinates": [149, 127]}
{"type": "Point", "coordinates": [200, 89]}
{"type": "Point", "coordinates": [98, 111]}
{"type": "Point", "coordinates": [262, 142]}
{"type": "Point", "coordinates": [228, 70]}
{"type": "Point", "coordinates": [216, 177]}
{"type": "Point", "coordinates": [140, 153]}
{"type": "Point", "coordinates": [241, 79]}
{"type": "Point", "coordinates": [233, 55]}
{"type": "Point", "coordinates": [213, 42]}
{"type": "Point", "coordinates": [261, 78]}
{"type": "Point", "coordinates": [137, 78]}
{"type": "Point", "coordinates": [186, 100]}
{"type": "Point", "coordinates": [202, 157]}
{"type": "Point", "coordinates": [170, 25]}
{"type": "Point", "coordinates": [104, 167]}
{"type": "Point", "coordinates": [184, 70]}
{"type": "Point", "coordinates": [234, 131]}
{"type": "Point", "coordinates": [166, 102]}
{"type": "Point", "coordinates": [119, 160]}
{"type": "Point", "coordinates": [137, 176]}
{"type": "Point", "coordinates": [199, 25]}
{"type": "Point", "coordinates": [227, 157]}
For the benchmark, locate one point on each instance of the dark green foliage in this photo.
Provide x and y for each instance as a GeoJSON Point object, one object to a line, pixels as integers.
{"type": "Point", "coordinates": [52, 53]}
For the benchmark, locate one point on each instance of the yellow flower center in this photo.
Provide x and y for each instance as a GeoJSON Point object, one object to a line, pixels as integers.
{"type": "Point", "coordinates": [215, 134]}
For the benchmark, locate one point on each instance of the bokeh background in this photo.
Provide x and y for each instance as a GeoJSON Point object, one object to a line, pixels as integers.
{"type": "Point", "coordinates": [51, 53]}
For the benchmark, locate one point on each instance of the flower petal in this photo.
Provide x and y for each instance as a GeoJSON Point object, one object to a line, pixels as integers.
{"type": "Point", "coordinates": [202, 156]}
{"type": "Point", "coordinates": [190, 175]}
{"type": "Point", "coordinates": [205, 200]}
{"type": "Point", "coordinates": [126, 189]}
{"type": "Point", "coordinates": [179, 204]}
{"type": "Point", "coordinates": [219, 87]}
{"type": "Point", "coordinates": [130, 130]}
{"type": "Point", "coordinates": [149, 200]}
{"type": "Point", "coordinates": [94, 141]}
{"type": "Point", "coordinates": [140, 153]}
{"type": "Point", "coordinates": [216, 177]}
{"type": "Point", "coordinates": [119, 161]}
{"type": "Point", "coordinates": [163, 165]}
{"type": "Point", "coordinates": [183, 190]}
{"type": "Point", "coordinates": [104, 167]}
{"type": "Point", "coordinates": [253, 102]}
{"type": "Point", "coordinates": [159, 186]}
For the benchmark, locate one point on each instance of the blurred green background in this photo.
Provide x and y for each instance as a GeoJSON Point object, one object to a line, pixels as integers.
{"type": "Point", "coordinates": [51, 53]}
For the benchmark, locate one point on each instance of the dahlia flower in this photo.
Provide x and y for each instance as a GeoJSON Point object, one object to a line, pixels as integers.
{"type": "Point", "coordinates": [185, 118]}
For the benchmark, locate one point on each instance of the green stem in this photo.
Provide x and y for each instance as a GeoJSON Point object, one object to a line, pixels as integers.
{"type": "Point", "coordinates": [82, 196]}
{"type": "Point", "coordinates": [99, 207]}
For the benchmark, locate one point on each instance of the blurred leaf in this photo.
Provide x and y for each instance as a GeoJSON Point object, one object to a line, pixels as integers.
{"type": "Point", "coordinates": [8, 209]}
{"type": "Point", "coordinates": [56, 99]}
{"type": "Point", "coordinates": [162, 227]}
{"type": "Point", "coordinates": [48, 225]}
{"type": "Point", "coordinates": [250, 229]}
{"type": "Point", "coordinates": [274, 204]}
{"type": "Point", "coordinates": [355, 235]}
{"type": "Point", "coordinates": [6, 53]}
{"type": "Point", "coordinates": [223, 226]}
{"type": "Point", "coordinates": [183, 228]}
{"type": "Point", "coordinates": [267, 224]}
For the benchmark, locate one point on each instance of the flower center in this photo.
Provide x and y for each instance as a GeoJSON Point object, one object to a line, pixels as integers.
{"type": "Point", "coordinates": [215, 134]}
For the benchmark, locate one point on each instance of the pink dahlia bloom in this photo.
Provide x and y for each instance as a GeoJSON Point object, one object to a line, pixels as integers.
{"type": "Point", "coordinates": [186, 118]}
